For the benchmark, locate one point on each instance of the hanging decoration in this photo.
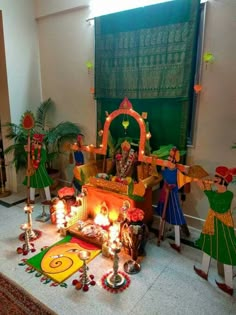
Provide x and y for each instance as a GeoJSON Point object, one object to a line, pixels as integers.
{"type": "Point", "coordinates": [125, 122]}
{"type": "Point", "coordinates": [144, 115]}
{"type": "Point", "coordinates": [197, 88]}
{"type": "Point", "coordinates": [89, 65]}
{"type": "Point", "coordinates": [208, 57]}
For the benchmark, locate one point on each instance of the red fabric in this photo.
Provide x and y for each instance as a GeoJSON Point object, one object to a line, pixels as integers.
{"type": "Point", "coordinates": [83, 244]}
{"type": "Point", "coordinates": [163, 191]}
{"type": "Point", "coordinates": [225, 173]}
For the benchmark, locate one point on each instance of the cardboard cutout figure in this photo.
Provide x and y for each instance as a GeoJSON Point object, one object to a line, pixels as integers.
{"type": "Point", "coordinates": [218, 239]}
{"type": "Point", "coordinates": [39, 177]}
{"type": "Point", "coordinates": [169, 207]}
{"type": "Point", "coordinates": [78, 157]}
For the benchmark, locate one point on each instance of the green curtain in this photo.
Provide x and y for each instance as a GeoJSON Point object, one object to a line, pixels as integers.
{"type": "Point", "coordinates": [148, 55]}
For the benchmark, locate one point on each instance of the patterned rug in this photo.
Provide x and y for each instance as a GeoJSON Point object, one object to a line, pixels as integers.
{"type": "Point", "coordinates": [60, 261]}
{"type": "Point", "coordinates": [14, 300]}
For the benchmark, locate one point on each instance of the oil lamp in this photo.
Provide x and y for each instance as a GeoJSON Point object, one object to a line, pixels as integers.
{"type": "Point", "coordinates": [115, 279]}
{"type": "Point", "coordinates": [28, 210]}
{"type": "Point", "coordinates": [84, 280]}
{"type": "Point", "coordinates": [27, 246]}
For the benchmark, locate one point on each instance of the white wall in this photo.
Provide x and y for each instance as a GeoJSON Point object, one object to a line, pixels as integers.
{"type": "Point", "coordinates": [216, 118]}
{"type": "Point", "coordinates": [22, 65]}
{"type": "Point", "coordinates": [22, 55]}
{"type": "Point", "coordinates": [66, 44]}
{"type": "Point", "coordinates": [47, 7]}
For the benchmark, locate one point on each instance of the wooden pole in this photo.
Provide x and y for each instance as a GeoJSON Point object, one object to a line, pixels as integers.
{"type": "Point", "coordinates": [28, 169]}
{"type": "Point", "coordinates": [163, 217]}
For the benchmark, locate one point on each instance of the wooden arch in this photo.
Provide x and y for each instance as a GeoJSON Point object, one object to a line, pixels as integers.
{"type": "Point", "coordinates": [127, 109]}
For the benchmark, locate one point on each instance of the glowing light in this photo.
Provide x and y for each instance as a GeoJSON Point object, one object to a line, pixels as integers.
{"type": "Point", "coordinates": [113, 233]}
{"type": "Point", "coordinates": [103, 7]}
{"type": "Point", "coordinates": [84, 254]}
{"type": "Point", "coordinates": [102, 218]}
{"type": "Point", "coordinates": [60, 214]}
{"type": "Point", "coordinates": [113, 215]}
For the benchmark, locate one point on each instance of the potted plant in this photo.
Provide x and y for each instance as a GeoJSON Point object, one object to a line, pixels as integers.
{"type": "Point", "coordinates": [55, 138]}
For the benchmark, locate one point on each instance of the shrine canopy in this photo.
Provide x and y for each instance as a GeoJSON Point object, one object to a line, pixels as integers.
{"type": "Point", "coordinates": [125, 108]}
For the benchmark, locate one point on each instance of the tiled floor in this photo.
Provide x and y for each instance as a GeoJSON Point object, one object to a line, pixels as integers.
{"type": "Point", "coordinates": [166, 284]}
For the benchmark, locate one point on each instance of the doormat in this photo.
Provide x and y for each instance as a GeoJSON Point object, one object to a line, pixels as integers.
{"type": "Point", "coordinates": [60, 261]}
{"type": "Point", "coordinates": [13, 200]}
{"type": "Point", "coordinates": [15, 300]}
{"type": "Point", "coordinates": [11, 204]}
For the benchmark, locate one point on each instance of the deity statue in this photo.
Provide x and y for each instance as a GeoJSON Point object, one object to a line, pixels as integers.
{"type": "Point", "coordinates": [125, 161]}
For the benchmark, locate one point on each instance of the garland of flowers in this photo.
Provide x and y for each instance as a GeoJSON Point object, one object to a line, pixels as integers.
{"type": "Point", "coordinates": [36, 162]}
{"type": "Point", "coordinates": [119, 289]}
{"type": "Point", "coordinates": [124, 167]}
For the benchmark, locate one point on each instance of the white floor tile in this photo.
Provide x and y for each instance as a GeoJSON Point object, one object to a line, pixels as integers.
{"type": "Point", "coordinates": [167, 283]}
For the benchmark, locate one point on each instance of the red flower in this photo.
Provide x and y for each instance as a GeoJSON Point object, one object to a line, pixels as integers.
{"type": "Point", "coordinates": [135, 214]}
{"type": "Point", "coordinates": [118, 157]}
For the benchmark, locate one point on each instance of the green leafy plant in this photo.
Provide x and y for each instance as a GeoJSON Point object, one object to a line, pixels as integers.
{"type": "Point", "coordinates": [54, 137]}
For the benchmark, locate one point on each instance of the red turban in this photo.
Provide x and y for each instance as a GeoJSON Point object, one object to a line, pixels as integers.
{"type": "Point", "coordinates": [225, 173]}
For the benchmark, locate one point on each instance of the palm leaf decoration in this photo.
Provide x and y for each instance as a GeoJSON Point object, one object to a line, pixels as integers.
{"type": "Point", "coordinates": [19, 136]}
{"type": "Point", "coordinates": [42, 114]}
{"type": "Point", "coordinates": [54, 137]}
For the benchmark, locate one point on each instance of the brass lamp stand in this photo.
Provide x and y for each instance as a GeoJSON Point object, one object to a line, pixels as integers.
{"type": "Point", "coordinates": [115, 279]}
{"type": "Point", "coordinates": [84, 280]}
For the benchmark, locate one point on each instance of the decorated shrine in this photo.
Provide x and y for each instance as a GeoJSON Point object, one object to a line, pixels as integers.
{"type": "Point", "coordinates": [110, 185]}
{"type": "Point", "coordinates": [111, 204]}
{"type": "Point", "coordinates": [128, 176]}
